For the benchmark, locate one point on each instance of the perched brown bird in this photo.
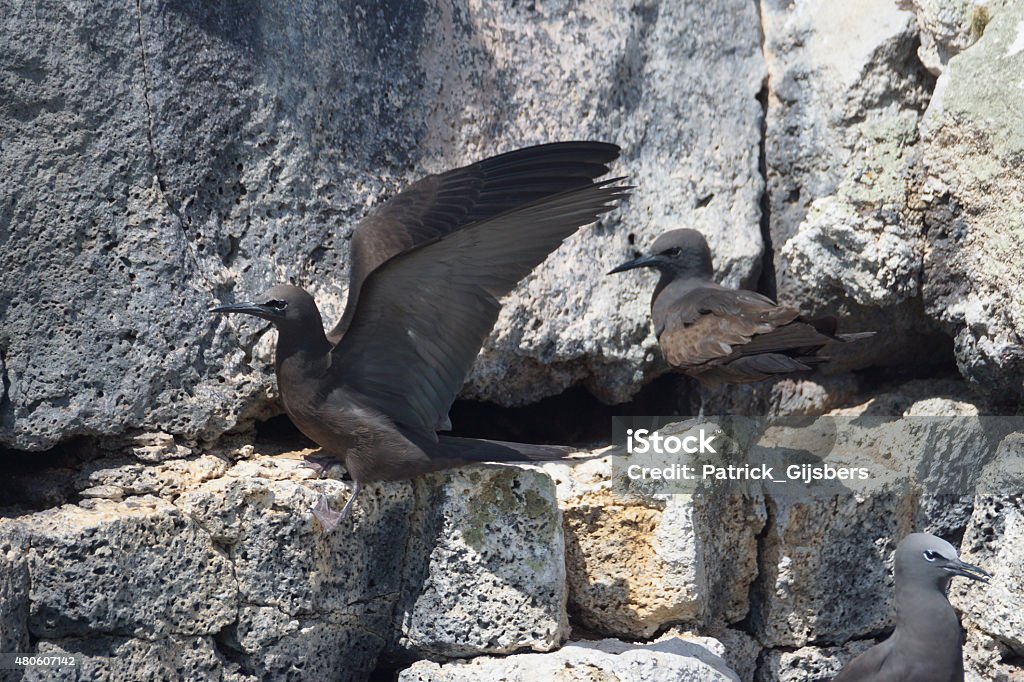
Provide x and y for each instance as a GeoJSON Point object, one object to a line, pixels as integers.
{"type": "Point", "coordinates": [926, 645]}
{"type": "Point", "coordinates": [721, 335]}
{"type": "Point", "coordinates": [429, 268]}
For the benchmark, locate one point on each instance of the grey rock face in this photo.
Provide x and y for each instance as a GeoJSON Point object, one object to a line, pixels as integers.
{"type": "Point", "coordinates": [484, 571]}
{"type": "Point", "coordinates": [223, 569]}
{"type": "Point", "coordinates": [841, 128]}
{"type": "Point", "coordinates": [808, 663]}
{"type": "Point", "coordinates": [994, 612]}
{"type": "Point", "coordinates": [170, 154]}
{"type": "Point", "coordinates": [608, 660]}
{"type": "Point", "coordinates": [120, 659]}
{"type": "Point", "coordinates": [69, 544]}
{"type": "Point", "coordinates": [817, 566]}
{"type": "Point", "coordinates": [971, 201]}
{"type": "Point", "coordinates": [14, 586]}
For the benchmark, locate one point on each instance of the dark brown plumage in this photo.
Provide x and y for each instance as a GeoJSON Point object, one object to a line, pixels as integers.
{"type": "Point", "coordinates": [720, 335]}
{"type": "Point", "coordinates": [429, 268]}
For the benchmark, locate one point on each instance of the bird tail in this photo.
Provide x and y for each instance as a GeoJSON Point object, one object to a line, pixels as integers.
{"type": "Point", "coordinates": [480, 450]}
{"type": "Point", "coordinates": [828, 326]}
{"type": "Point", "coordinates": [856, 336]}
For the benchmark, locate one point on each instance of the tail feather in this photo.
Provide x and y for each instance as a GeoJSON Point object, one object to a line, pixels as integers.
{"type": "Point", "coordinates": [480, 450]}
{"type": "Point", "coordinates": [856, 336]}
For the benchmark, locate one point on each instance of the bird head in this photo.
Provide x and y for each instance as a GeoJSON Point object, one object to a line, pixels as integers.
{"type": "Point", "coordinates": [283, 305]}
{"type": "Point", "coordinates": [678, 253]}
{"type": "Point", "coordinates": [924, 558]}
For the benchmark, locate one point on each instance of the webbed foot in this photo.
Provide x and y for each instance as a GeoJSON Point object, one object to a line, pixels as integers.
{"type": "Point", "coordinates": [329, 518]}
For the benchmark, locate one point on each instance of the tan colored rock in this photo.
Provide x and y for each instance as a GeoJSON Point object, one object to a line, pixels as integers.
{"type": "Point", "coordinates": [635, 566]}
{"type": "Point", "coordinates": [119, 478]}
{"type": "Point", "coordinates": [158, 447]}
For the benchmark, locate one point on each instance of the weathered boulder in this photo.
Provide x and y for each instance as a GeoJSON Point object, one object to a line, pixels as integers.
{"type": "Point", "coordinates": [14, 586]}
{"type": "Point", "coordinates": [845, 93]}
{"type": "Point", "coordinates": [636, 565]}
{"type": "Point", "coordinates": [970, 196]}
{"type": "Point", "coordinates": [170, 154]}
{"type": "Point", "coordinates": [824, 569]}
{"type": "Point", "coordinates": [607, 660]}
{"type": "Point", "coordinates": [808, 663]}
{"type": "Point", "coordinates": [121, 659]}
{"type": "Point", "coordinates": [994, 613]}
{"type": "Point", "coordinates": [825, 561]}
{"type": "Point", "coordinates": [484, 569]}
{"type": "Point", "coordinates": [208, 563]}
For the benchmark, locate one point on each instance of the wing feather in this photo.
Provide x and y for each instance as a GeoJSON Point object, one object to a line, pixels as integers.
{"type": "Point", "coordinates": [437, 205]}
{"type": "Point", "coordinates": [422, 317]}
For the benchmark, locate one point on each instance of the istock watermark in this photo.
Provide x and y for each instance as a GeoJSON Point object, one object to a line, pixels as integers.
{"type": "Point", "coordinates": [818, 456]}
{"type": "Point", "coordinates": [642, 441]}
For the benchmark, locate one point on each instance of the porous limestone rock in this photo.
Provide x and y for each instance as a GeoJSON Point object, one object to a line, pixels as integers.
{"type": "Point", "coordinates": [825, 571]}
{"type": "Point", "coordinates": [994, 613]}
{"type": "Point", "coordinates": [172, 155]}
{"type": "Point", "coordinates": [121, 659]}
{"type": "Point", "coordinates": [212, 563]}
{"type": "Point", "coordinates": [138, 568]}
{"type": "Point", "coordinates": [607, 660]}
{"type": "Point", "coordinates": [636, 565]}
{"type": "Point", "coordinates": [14, 586]}
{"type": "Point", "coordinates": [825, 562]}
{"type": "Point", "coordinates": [484, 572]}
{"type": "Point", "coordinates": [808, 663]}
{"type": "Point", "coordinates": [970, 196]}
{"type": "Point", "coordinates": [845, 93]}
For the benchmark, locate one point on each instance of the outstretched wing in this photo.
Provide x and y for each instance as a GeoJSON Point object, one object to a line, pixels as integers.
{"type": "Point", "coordinates": [440, 204]}
{"type": "Point", "coordinates": [422, 317]}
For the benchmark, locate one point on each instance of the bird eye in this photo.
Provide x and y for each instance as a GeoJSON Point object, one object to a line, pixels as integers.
{"type": "Point", "coordinates": [276, 305]}
{"type": "Point", "coordinates": [674, 251]}
{"type": "Point", "coordinates": [930, 555]}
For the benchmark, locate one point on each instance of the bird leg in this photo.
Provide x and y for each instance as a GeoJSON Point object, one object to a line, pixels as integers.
{"type": "Point", "coordinates": [329, 518]}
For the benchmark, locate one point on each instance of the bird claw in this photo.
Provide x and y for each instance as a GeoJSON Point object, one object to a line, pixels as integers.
{"type": "Point", "coordinates": [319, 465]}
{"type": "Point", "coordinates": [328, 518]}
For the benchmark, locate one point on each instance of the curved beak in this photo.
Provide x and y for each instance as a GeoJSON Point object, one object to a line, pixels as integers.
{"type": "Point", "coordinates": [966, 570]}
{"type": "Point", "coordinates": [641, 262]}
{"type": "Point", "coordinates": [247, 308]}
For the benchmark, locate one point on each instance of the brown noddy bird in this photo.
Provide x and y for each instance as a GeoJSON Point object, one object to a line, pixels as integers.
{"type": "Point", "coordinates": [926, 645]}
{"type": "Point", "coordinates": [429, 267]}
{"type": "Point", "coordinates": [721, 335]}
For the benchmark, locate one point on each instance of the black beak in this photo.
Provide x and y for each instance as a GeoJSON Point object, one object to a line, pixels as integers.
{"type": "Point", "coordinates": [248, 308]}
{"type": "Point", "coordinates": [641, 262]}
{"type": "Point", "coordinates": [966, 570]}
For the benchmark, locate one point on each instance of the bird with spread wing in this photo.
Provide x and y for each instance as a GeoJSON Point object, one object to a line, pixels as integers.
{"type": "Point", "coordinates": [429, 268]}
